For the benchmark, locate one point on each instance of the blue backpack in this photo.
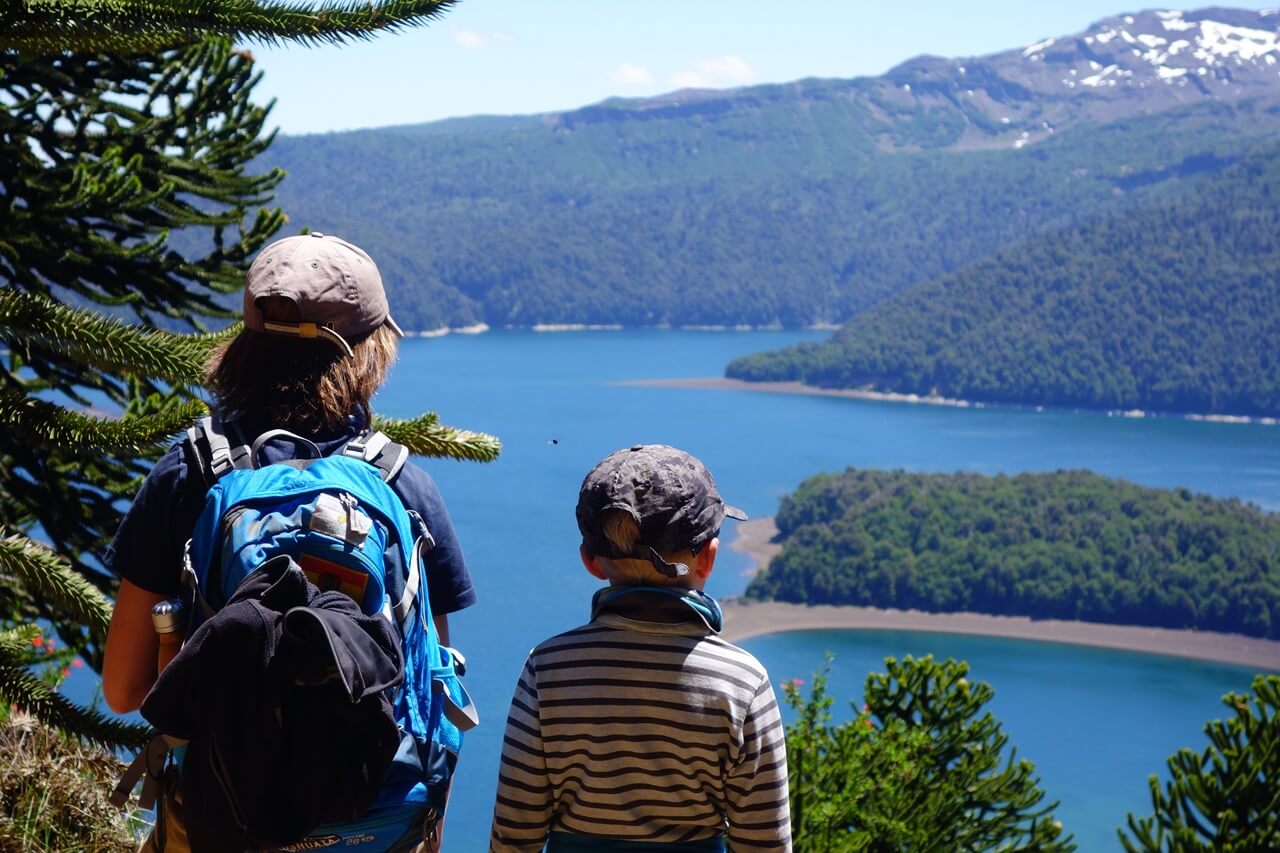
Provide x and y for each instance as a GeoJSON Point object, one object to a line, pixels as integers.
{"type": "Point", "coordinates": [338, 521]}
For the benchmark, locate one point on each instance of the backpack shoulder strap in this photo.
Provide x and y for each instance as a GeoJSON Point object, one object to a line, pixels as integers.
{"type": "Point", "coordinates": [380, 451]}
{"type": "Point", "coordinates": [218, 447]}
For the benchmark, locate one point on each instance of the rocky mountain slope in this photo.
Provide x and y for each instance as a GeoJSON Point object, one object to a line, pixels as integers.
{"type": "Point", "coordinates": [1121, 67]}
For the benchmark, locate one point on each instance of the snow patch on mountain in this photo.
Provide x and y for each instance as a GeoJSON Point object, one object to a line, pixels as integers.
{"type": "Point", "coordinates": [1100, 79]}
{"type": "Point", "coordinates": [1039, 46]}
{"type": "Point", "coordinates": [1174, 21]}
{"type": "Point", "coordinates": [1172, 45]}
{"type": "Point", "coordinates": [1142, 62]}
{"type": "Point", "coordinates": [1223, 40]}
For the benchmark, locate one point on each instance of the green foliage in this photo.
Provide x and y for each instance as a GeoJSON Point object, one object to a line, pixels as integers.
{"type": "Point", "coordinates": [109, 155]}
{"type": "Point", "coordinates": [51, 426]}
{"type": "Point", "coordinates": [1226, 798]}
{"type": "Point", "coordinates": [103, 160]}
{"type": "Point", "coordinates": [1171, 308]}
{"type": "Point", "coordinates": [850, 783]}
{"type": "Point", "coordinates": [53, 793]}
{"type": "Point", "coordinates": [426, 436]}
{"type": "Point", "coordinates": [105, 343]}
{"type": "Point", "coordinates": [34, 571]}
{"type": "Point", "coordinates": [770, 205]}
{"type": "Point", "coordinates": [922, 767]}
{"type": "Point", "coordinates": [33, 695]}
{"type": "Point", "coordinates": [1067, 545]}
{"type": "Point", "coordinates": [120, 26]}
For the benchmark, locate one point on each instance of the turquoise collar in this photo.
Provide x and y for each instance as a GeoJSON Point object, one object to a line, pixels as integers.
{"type": "Point", "coordinates": [625, 601]}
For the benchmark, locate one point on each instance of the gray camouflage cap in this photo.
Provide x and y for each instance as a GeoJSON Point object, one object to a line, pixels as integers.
{"type": "Point", "coordinates": [336, 287]}
{"type": "Point", "coordinates": [670, 494]}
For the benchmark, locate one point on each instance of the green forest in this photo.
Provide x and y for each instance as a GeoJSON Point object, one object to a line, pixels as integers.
{"type": "Point", "coordinates": [1172, 308]}
{"type": "Point", "coordinates": [773, 206]}
{"type": "Point", "coordinates": [1064, 545]}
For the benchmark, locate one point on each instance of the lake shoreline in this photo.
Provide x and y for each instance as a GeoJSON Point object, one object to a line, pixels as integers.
{"type": "Point", "coordinates": [745, 619]}
{"type": "Point", "coordinates": [481, 328]}
{"type": "Point", "coordinates": [723, 383]}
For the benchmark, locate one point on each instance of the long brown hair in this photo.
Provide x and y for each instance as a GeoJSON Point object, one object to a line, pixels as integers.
{"type": "Point", "coordinates": [306, 386]}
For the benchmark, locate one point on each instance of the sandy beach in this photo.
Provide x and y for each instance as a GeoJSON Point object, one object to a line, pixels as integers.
{"type": "Point", "coordinates": [720, 383]}
{"type": "Point", "coordinates": [745, 619]}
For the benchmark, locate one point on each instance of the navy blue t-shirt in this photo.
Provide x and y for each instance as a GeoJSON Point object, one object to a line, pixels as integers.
{"type": "Point", "coordinates": [148, 546]}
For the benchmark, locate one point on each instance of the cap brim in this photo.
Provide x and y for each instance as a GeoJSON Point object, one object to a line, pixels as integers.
{"type": "Point", "coordinates": [735, 513]}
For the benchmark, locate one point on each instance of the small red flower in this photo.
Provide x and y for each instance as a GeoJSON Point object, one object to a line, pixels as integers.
{"type": "Point", "coordinates": [37, 641]}
{"type": "Point", "coordinates": [66, 672]}
{"type": "Point", "coordinates": [77, 663]}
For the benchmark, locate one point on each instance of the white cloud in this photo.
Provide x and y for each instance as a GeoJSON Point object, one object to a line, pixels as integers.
{"type": "Point", "coordinates": [474, 40]}
{"type": "Point", "coordinates": [631, 75]}
{"type": "Point", "coordinates": [714, 73]}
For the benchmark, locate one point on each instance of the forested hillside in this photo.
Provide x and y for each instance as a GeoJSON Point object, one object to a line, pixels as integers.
{"type": "Point", "coordinates": [1172, 307]}
{"type": "Point", "coordinates": [787, 204]}
{"type": "Point", "coordinates": [1067, 545]}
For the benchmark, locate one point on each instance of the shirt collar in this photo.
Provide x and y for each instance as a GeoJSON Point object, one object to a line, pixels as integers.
{"type": "Point", "coordinates": [657, 609]}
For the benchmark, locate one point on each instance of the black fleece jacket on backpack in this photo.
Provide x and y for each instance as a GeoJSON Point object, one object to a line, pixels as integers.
{"type": "Point", "coordinates": [283, 696]}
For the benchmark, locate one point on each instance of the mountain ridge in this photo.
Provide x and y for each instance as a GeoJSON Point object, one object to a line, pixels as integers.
{"type": "Point", "coordinates": [1226, 38]}
{"type": "Point", "coordinates": [786, 204]}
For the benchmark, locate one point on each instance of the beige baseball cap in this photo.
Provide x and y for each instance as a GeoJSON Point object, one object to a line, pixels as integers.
{"type": "Point", "coordinates": [334, 284]}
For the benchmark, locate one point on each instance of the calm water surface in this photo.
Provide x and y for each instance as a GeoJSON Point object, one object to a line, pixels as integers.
{"type": "Point", "coordinates": [1096, 723]}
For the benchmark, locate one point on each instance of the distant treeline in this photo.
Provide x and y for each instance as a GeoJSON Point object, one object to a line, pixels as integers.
{"type": "Point", "coordinates": [1172, 307]}
{"type": "Point", "coordinates": [1066, 545]}
{"type": "Point", "coordinates": [778, 210]}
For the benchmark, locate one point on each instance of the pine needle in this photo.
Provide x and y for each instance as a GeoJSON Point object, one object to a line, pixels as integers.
{"type": "Point", "coordinates": [105, 343]}
{"type": "Point", "coordinates": [124, 26]}
{"type": "Point", "coordinates": [40, 700]}
{"type": "Point", "coordinates": [426, 436]}
{"type": "Point", "coordinates": [44, 424]}
{"type": "Point", "coordinates": [45, 575]}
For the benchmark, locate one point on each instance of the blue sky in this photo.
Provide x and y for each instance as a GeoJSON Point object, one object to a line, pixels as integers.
{"type": "Point", "coordinates": [518, 56]}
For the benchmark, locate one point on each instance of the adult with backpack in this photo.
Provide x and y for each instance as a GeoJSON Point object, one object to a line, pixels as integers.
{"type": "Point", "coordinates": [286, 580]}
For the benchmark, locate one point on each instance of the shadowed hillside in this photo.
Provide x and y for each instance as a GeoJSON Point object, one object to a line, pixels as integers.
{"type": "Point", "coordinates": [1172, 308]}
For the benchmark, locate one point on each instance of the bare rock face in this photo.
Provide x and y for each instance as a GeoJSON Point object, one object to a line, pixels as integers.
{"type": "Point", "coordinates": [1123, 66]}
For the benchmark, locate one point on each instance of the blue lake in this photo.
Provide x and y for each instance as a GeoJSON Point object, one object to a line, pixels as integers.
{"type": "Point", "coordinates": [1096, 723]}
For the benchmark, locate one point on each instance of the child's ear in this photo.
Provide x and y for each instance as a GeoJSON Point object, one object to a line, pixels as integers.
{"type": "Point", "coordinates": [705, 560]}
{"type": "Point", "coordinates": [592, 564]}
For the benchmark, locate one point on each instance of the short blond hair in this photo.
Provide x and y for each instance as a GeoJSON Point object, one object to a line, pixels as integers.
{"type": "Point", "coordinates": [622, 532]}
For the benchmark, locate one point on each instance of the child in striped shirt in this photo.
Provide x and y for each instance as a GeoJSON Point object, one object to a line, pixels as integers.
{"type": "Point", "coordinates": [642, 729]}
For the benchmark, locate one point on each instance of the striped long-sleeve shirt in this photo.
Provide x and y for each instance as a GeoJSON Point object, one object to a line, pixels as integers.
{"type": "Point", "coordinates": [643, 725]}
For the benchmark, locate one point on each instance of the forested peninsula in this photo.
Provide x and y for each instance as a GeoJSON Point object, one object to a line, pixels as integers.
{"type": "Point", "coordinates": [1169, 308]}
{"type": "Point", "coordinates": [1065, 545]}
